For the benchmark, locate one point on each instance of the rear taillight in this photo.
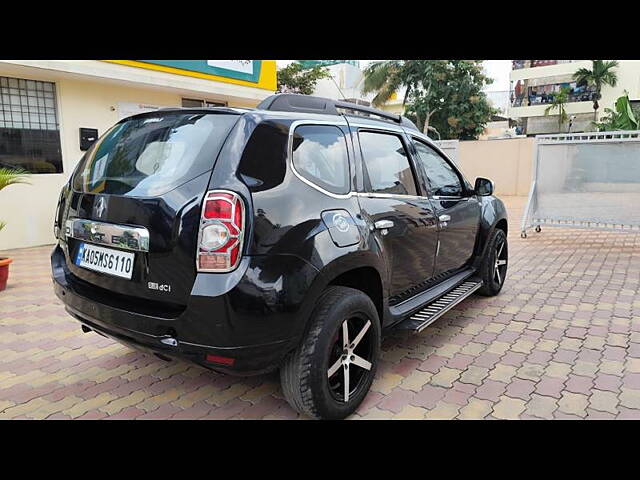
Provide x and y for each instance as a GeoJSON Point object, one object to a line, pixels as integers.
{"type": "Point", "coordinates": [221, 232]}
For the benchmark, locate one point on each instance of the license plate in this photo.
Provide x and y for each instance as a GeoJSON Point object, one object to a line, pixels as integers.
{"type": "Point", "coordinates": [105, 260]}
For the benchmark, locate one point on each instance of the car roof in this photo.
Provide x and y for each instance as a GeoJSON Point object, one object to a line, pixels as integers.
{"type": "Point", "coordinates": [261, 115]}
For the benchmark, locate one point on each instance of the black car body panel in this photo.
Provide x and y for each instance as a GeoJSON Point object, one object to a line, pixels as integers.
{"type": "Point", "coordinates": [257, 313]}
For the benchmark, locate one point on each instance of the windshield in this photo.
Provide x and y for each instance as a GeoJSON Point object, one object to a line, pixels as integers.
{"type": "Point", "coordinates": [150, 155]}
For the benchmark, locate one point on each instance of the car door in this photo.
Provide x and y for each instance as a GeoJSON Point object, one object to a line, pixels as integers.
{"type": "Point", "coordinates": [456, 207]}
{"type": "Point", "coordinates": [402, 221]}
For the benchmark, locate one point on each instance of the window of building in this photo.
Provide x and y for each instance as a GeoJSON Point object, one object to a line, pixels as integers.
{"type": "Point", "coordinates": [320, 156]}
{"type": "Point", "coordinates": [443, 180]}
{"type": "Point", "coordinates": [196, 103]}
{"type": "Point", "coordinates": [29, 127]}
{"type": "Point", "coordinates": [386, 164]}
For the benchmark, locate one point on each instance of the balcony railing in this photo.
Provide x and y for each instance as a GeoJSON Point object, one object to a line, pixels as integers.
{"type": "Point", "coordinates": [518, 64]}
{"type": "Point", "coordinates": [541, 99]}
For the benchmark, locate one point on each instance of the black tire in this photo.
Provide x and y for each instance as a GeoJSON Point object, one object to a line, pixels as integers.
{"type": "Point", "coordinates": [492, 282]}
{"type": "Point", "coordinates": [305, 374]}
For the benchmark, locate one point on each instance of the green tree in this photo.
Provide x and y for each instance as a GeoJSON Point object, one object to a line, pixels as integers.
{"type": "Point", "coordinates": [558, 102]}
{"type": "Point", "coordinates": [622, 118]}
{"type": "Point", "coordinates": [294, 78]}
{"type": "Point", "coordinates": [441, 95]}
{"type": "Point", "coordinates": [601, 74]}
{"type": "Point", "coordinates": [10, 176]}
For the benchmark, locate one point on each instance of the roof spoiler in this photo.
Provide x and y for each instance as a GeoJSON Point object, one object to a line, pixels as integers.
{"type": "Point", "coordinates": [293, 102]}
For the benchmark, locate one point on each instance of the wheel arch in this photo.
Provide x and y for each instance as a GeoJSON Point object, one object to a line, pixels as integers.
{"type": "Point", "coordinates": [493, 215]}
{"type": "Point", "coordinates": [367, 279]}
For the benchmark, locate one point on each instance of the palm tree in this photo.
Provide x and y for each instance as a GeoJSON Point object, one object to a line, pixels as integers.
{"type": "Point", "coordinates": [10, 176]}
{"type": "Point", "coordinates": [388, 76]}
{"type": "Point", "coordinates": [385, 78]}
{"type": "Point", "coordinates": [559, 100]}
{"type": "Point", "coordinates": [601, 74]}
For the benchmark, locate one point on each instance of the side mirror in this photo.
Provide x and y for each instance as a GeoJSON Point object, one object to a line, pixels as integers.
{"type": "Point", "coordinates": [483, 187]}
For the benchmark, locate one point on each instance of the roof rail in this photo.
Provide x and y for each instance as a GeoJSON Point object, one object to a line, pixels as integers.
{"type": "Point", "coordinates": [294, 102]}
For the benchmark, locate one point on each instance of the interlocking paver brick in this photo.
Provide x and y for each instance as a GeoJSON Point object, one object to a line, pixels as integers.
{"type": "Point", "coordinates": [541, 406]}
{"type": "Point", "coordinates": [376, 414]}
{"type": "Point", "coordinates": [116, 405]}
{"type": "Point", "coordinates": [433, 363]}
{"type": "Point", "coordinates": [611, 367]}
{"type": "Point", "coordinates": [443, 411]}
{"type": "Point", "coordinates": [579, 384]}
{"type": "Point", "coordinates": [396, 400]}
{"type": "Point", "coordinates": [604, 401]}
{"type": "Point", "coordinates": [490, 390]}
{"type": "Point", "coordinates": [521, 389]}
{"type": "Point", "coordinates": [508, 408]}
{"type": "Point", "coordinates": [474, 375]}
{"type": "Point", "coordinates": [476, 409]}
{"type": "Point", "coordinates": [558, 370]}
{"type": "Point", "coordinates": [80, 408]}
{"type": "Point", "coordinates": [573, 404]}
{"type": "Point", "coordinates": [409, 412]}
{"type": "Point", "coordinates": [628, 414]}
{"type": "Point", "coordinates": [386, 382]}
{"type": "Point", "coordinates": [530, 371]}
{"type": "Point", "coordinates": [551, 387]}
{"type": "Point", "coordinates": [630, 398]}
{"type": "Point", "coordinates": [445, 377]}
{"type": "Point", "coordinates": [567, 323]}
{"type": "Point", "coordinates": [428, 396]}
{"type": "Point", "coordinates": [416, 380]}
{"type": "Point", "coordinates": [503, 373]}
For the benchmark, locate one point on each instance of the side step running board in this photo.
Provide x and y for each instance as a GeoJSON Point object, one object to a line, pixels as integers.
{"type": "Point", "coordinates": [434, 310]}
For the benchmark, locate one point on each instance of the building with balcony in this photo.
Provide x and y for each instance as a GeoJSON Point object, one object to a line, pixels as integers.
{"type": "Point", "coordinates": [534, 82]}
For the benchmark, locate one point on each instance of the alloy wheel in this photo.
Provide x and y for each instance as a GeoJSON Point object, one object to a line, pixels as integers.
{"type": "Point", "coordinates": [350, 358]}
{"type": "Point", "coordinates": [500, 264]}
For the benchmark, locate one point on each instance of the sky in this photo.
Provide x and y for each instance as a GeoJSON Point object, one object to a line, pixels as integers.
{"type": "Point", "coordinates": [499, 71]}
{"type": "Point", "coordinates": [496, 69]}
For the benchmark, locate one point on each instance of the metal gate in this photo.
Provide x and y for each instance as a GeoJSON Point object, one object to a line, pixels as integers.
{"type": "Point", "coordinates": [585, 180]}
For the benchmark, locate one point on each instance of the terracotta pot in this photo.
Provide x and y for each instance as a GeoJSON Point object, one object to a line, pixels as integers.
{"type": "Point", "coordinates": [4, 272]}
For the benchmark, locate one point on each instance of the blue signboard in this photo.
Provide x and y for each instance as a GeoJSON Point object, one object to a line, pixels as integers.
{"type": "Point", "coordinates": [247, 70]}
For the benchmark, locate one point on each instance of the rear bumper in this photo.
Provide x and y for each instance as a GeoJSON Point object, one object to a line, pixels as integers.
{"type": "Point", "coordinates": [192, 330]}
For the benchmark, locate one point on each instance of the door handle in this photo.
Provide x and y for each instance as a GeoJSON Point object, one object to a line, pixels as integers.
{"type": "Point", "coordinates": [444, 218]}
{"type": "Point", "coordinates": [383, 224]}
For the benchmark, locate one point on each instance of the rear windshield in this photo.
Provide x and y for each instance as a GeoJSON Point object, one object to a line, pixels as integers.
{"type": "Point", "coordinates": [150, 155]}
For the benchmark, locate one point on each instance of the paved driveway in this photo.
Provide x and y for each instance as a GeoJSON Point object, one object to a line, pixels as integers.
{"type": "Point", "coordinates": [561, 341]}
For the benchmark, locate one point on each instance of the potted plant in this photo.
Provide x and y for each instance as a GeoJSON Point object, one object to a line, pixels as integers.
{"type": "Point", "coordinates": [8, 176]}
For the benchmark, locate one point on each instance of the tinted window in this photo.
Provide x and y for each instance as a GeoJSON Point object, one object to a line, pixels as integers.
{"type": "Point", "coordinates": [386, 164]}
{"type": "Point", "coordinates": [320, 156]}
{"type": "Point", "coordinates": [443, 180]}
{"type": "Point", "coordinates": [152, 154]}
{"type": "Point", "coordinates": [263, 165]}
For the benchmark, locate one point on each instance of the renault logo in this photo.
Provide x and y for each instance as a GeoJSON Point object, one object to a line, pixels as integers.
{"type": "Point", "coordinates": [341, 223]}
{"type": "Point", "coordinates": [100, 206]}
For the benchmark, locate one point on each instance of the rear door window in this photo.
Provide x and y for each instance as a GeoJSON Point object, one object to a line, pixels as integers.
{"type": "Point", "coordinates": [443, 179]}
{"type": "Point", "coordinates": [320, 156]}
{"type": "Point", "coordinates": [152, 154]}
{"type": "Point", "coordinates": [386, 164]}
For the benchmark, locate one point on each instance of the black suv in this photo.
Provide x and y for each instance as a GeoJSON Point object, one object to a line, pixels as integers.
{"type": "Point", "coordinates": [290, 236]}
